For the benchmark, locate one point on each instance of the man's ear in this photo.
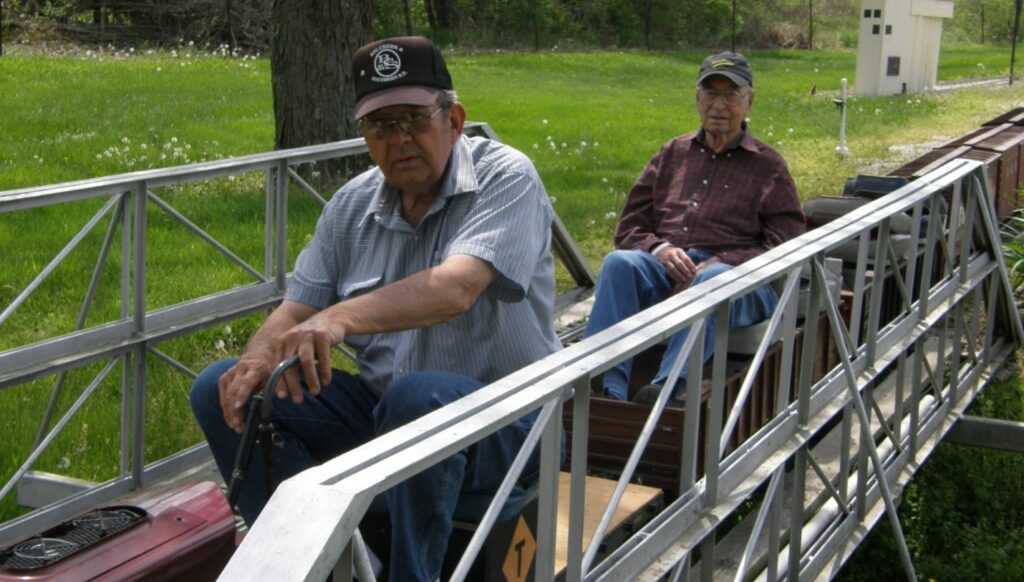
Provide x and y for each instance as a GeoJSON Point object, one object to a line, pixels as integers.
{"type": "Point", "coordinates": [456, 120]}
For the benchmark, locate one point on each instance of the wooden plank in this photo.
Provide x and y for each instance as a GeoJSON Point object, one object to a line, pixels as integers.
{"type": "Point", "coordinates": [634, 504]}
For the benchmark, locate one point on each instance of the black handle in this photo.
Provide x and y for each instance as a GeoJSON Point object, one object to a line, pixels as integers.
{"type": "Point", "coordinates": [260, 404]}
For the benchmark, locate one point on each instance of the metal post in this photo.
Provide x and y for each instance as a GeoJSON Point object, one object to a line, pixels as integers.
{"type": "Point", "coordinates": [732, 44]}
{"type": "Point", "coordinates": [1016, 31]}
{"type": "Point", "coordinates": [139, 318]}
{"type": "Point", "coordinates": [282, 224]}
{"type": "Point", "coordinates": [841, 149]}
{"type": "Point", "coordinates": [126, 359]}
{"type": "Point", "coordinates": [810, 25]}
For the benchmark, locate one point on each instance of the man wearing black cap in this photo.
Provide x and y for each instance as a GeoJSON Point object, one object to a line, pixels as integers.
{"type": "Point", "coordinates": [708, 201]}
{"type": "Point", "coordinates": [435, 266]}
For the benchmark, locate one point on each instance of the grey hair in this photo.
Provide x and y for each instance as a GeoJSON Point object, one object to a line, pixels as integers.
{"type": "Point", "coordinates": [447, 98]}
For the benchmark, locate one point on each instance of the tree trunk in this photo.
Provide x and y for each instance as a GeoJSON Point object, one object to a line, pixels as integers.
{"type": "Point", "coordinates": [232, 41]}
{"type": "Point", "coordinates": [312, 43]}
{"type": "Point", "coordinates": [408, 17]}
{"type": "Point", "coordinates": [648, 12]}
{"type": "Point", "coordinates": [311, 48]}
{"type": "Point", "coordinates": [428, 6]}
{"type": "Point", "coordinates": [440, 14]}
{"type": "Point", "coordinates": [810, 25]}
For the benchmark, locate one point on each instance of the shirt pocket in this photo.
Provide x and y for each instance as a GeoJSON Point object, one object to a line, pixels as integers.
{"type": "Point", "coordinates": [364, 276]}
{"type": "Point", "coordinates": [353, 287]}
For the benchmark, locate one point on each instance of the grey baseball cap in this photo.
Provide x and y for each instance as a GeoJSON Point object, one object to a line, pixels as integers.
{"type": "Point", "coordinates": [732, 66]}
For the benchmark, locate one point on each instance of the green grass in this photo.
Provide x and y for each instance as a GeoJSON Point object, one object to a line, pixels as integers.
{"type": "Point", "coordinates": [590, 121]}
{"type": "Point", "coordinates": [77, 117]}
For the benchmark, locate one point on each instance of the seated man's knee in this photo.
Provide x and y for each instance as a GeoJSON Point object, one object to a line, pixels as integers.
{"type": "Point", "coordinates": [620, 261]}
{"type": "Point", "coordinates": [205, 395]}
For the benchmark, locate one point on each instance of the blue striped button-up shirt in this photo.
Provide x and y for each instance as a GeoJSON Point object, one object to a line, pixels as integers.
{"type": "Point", "coordinates": [493, 206]}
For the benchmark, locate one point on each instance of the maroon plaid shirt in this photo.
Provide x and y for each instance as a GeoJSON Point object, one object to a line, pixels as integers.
{"type": "Point", "coordinates": [736, 205]}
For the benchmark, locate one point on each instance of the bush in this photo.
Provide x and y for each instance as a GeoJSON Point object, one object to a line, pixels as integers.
{"type": "Point", "coordinates": [1013, 252]}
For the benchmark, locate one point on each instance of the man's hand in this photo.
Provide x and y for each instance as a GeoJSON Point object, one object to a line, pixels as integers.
{"type": "Point", "coordinates": [265, 351]}
{"type": "Point", "coordinates": [678, 266]}
{"type": "Point", "coordinates": [311, 340]}
{"type": "Point", "coordinates": [237, 385]}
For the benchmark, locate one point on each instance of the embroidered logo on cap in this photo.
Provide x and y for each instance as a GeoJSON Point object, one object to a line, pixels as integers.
{"type": "Point", "coordinates": [719, 63]}
{"type": "Point", "coordinates": [387, 62]}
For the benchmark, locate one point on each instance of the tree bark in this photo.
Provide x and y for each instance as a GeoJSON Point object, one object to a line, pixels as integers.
{"type": "Point", "coordinates": [232, 41]}
{"type": "Point", "coordinates": [408, 17]}
{"type": "Point", "coordinates": [312, 43]}
{"type": "Point", "coordinates": [441, 14]}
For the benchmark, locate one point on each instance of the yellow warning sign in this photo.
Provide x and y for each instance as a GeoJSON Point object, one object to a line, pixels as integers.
{"type": "Point", "coordinates": [520, 553]}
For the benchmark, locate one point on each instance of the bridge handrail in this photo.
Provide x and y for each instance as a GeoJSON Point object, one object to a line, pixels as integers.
{"type": "Point", "coordinates": [133, 335]}
{"type": "Point", "coordinates": [308, 548]}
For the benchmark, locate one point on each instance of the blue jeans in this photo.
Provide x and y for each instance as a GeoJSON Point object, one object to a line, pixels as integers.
{"type": "Point", "coordinates": [632, 281]}
{"type": "Point", "coordinates": [347, 414]}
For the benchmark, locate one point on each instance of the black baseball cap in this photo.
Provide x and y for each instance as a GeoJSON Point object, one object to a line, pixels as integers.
{"type": "Point", "coordinates": [732, 66]}
{"type": "Point", "coordinates": [406, 70]}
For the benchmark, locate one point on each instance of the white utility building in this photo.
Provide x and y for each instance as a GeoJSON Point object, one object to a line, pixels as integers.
{"type": "Point", "coordinates": [898, 46]}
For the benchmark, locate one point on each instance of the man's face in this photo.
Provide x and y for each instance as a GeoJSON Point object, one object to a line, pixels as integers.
{"type": "Point", "coordinates": [412, 161]}
{"type": "Point", "coordinates": [723, 106]}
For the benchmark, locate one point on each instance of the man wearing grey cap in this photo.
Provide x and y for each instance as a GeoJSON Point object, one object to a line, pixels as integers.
{"type": "Point", "coordinates": [707, 202]}
{"type": "Point", "coordinates": [435, 267]}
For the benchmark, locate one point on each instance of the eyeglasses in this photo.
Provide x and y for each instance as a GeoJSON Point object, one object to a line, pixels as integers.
{"type": "Point", "coordinates": [410, 123]}
{"type": "Point", "coordinates": [708, 97]}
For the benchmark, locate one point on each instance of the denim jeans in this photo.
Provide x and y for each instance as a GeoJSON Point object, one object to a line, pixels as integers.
{"type": "Point", "coordinates": [347, 414]}
{"type": "Point", "coordinates": [632, 281]}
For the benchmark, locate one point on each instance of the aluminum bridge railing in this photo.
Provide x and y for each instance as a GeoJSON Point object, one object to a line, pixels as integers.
{"type": "Point", "coordinates": [932, 317]}
{"type": "Point", "coordinates": [931, 312]}
{"type": "Point", "coordinates": [128, 332]}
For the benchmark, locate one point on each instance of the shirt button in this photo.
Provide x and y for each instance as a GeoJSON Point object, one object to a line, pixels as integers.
{"type": "Point", "coordinates": [714, 157]}
{"type": "Point", "coordinates": [686, 229]}
{"type": "Point", "coordinates": [694, 204]}
{"type": "Point", "coordinates": [705, 182]}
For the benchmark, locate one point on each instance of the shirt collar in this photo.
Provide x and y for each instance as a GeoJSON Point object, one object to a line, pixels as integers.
{"type": "Point", "coordinates": [746, 142]}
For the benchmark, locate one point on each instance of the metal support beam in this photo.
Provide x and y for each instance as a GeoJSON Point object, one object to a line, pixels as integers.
{"type": "Point", "coordinates": [989, 433]}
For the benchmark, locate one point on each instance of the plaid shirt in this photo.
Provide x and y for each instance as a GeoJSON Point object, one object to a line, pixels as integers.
{"type": "Point", "coordinates": [735, 205]}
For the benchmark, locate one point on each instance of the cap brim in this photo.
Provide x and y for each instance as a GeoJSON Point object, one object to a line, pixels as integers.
{"type": "Point", "coordinates": [416, 95]}
{"type": "Point", "coordinates": [738, 80]}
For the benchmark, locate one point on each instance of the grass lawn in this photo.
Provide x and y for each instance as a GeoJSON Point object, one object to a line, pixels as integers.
{"type": "Point", "coordinates": [590, 121]}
